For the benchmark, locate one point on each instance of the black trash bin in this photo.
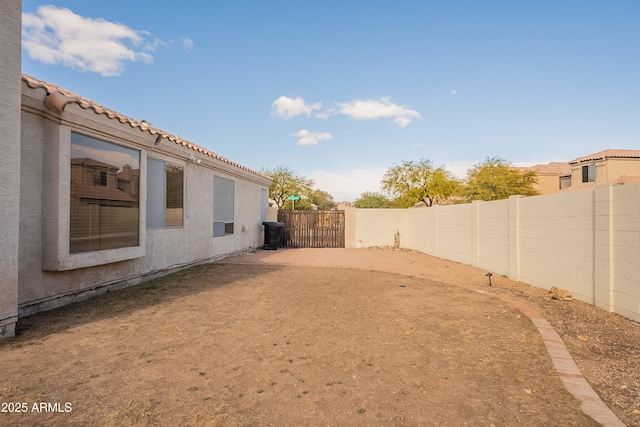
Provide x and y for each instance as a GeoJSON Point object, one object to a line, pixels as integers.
{"type": "Point", "coordinates": [272, 235]}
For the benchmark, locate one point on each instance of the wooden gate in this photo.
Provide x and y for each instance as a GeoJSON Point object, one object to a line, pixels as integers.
{"type": "Point", "coordinates": [312, 229]}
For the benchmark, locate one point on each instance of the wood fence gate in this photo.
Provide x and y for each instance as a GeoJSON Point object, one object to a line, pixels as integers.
{"type": "Point", "coordinates": [312, 229]}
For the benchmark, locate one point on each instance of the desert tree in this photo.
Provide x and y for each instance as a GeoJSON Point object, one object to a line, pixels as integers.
{"type": "Point", "coordinates": [372, 200]}
{"type": "Point", "coordinates": [419, 181]}
{"type": "Point", "coordinates": [496, 179]}
{"type": "Point", "coordinates": [286, 182]}
{"type": "Point", "coordinates": [322, 199]}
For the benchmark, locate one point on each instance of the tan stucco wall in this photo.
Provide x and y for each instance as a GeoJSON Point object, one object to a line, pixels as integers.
{"type": "Point", "coordinates": [587, 242]}
{"type": "Point", "coordinates": [10, 56]}
{"type": "Point", "coordinates": [618, 167]}
{"type": "Point", "coordinates": [547, 184]}
{"type": "Point", "coordinates": [44, 211]}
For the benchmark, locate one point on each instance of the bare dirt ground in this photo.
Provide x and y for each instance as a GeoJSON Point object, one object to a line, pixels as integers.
{"type": "Point", "coordinates": [314, 337]}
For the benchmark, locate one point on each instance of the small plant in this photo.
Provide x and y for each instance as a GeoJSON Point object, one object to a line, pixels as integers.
{"type": "Point", "coordinates": [362, 410]}
{"type": "Point", "coordinates": [202, 373]}
{"type": "Point", "coordinates": [290, 360]}
{"type": "Point", "coordinates": [305, 391]}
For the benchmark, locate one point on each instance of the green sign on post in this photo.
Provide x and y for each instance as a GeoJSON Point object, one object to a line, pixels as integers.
{"type": "Point", "coordinates": [293, 201]}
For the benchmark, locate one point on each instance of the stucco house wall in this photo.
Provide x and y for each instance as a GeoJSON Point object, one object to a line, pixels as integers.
{"type": "Point", "coordinates": [49, 275]}
{"type": "Point", "coordinates": [10, 54]}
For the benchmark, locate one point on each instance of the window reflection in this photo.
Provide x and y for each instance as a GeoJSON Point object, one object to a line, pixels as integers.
{"type": "Point", "coordinates": [105, 180]}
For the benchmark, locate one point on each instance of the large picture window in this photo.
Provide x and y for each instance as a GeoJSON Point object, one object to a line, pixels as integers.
{"type": "Point", "coordinates": [223, 198]}
{"type": "Point", "coordinates": [165, 194]}
{"type": "Point", "coordinates": [105, 181]}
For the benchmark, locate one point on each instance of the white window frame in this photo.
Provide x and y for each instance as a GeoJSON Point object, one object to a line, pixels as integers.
{"type": "Point", "coordinates": [223, 206]}
{"type": "Point", "coordinates": [153, 198]}
{"type": "Point", "coordinates": [56, 255]}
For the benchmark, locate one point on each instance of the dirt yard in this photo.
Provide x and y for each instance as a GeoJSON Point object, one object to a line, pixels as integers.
{"type": "Point", "coordinates": [314, 337]}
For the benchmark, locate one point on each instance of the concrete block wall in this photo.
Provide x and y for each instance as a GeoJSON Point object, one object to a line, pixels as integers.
{"type": "Point", "coordinates": [424, 225]}
{"type": "Point", "coordinates": [457, 233]}
{"type": "Point", "coordinates": [492, 228]}
{"type": "Point", "coordinates": [556, 242]}
{"type": "Point", "coordinates": [377, 227]}
{"type": "Point", "coordinates": [626, 250]}
{"type": "Point", "coordinates": [587, 242]}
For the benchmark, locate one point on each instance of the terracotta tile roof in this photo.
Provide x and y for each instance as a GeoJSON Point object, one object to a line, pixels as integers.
{"type": "Point", "coordinates": [58, 98]}
{"type": "Point", "coordinates": [553, 168]}
{"type": "Point", "coordinates": [580, 186]}
{"type": "Point", "coordinates": [607, 154]}
{"type": "Point", "coordinates": [87, 162]}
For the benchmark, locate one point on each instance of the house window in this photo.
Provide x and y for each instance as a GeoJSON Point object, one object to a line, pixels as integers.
{"type": "Point", "coordinates": [223, 198]}
{"type": "Point", "coordinates": [589, 173]}
{"type": "Point", "coordinates": [104, 209]}
{"type": "Point", "coordinates": [264, 200]}
{"type": "Point", "coordinates": [100, 178]}
{"type": "Point", "coordinates": [165, 194]}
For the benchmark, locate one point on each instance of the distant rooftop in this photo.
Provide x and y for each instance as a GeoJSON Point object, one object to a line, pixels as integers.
{"type": "Point", "coordinates": [553, 168]}
{"type": "Point", "coordinates": [606, 154]}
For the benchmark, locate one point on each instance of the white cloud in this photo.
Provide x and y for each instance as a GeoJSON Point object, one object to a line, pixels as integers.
{"type": "Point", "coordinates": [59, 36]}
{"type": "Point", "coordinates": [369, 109]}
{"type": "Point", "coordinates": [158, 43]}
{"type": "Point", "coordinates": [454, 92]}
{"type": "Point", "coordinates": [349, 184]}
{"type": "Point", "coordinates": [287, 108]}
{"type": "Point", "coordinates": [187, 43]}
{"type": "Point", "coordinates": [311, 138]}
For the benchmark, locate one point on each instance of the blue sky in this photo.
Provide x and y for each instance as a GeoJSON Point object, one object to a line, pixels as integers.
{"type": "Point", "coordinates": [341, 90]}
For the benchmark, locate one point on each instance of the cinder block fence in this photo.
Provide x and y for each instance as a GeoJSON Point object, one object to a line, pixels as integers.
{"type": "Point", "coordinates": [587, 242]}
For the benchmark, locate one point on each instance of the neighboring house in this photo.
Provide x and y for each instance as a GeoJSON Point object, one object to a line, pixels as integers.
{"type": "Point", "coordinates": [610, 166]}
{"type": "Point", "coordinates": [548, 176]}
{"type": "Point", "coordinates": [343, 205]}
{"type": "Point", "coordinates": [106, 201]}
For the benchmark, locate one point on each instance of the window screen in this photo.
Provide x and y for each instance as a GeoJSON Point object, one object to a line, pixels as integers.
{"type": "Point", "coordinates": [589, 173]}
{"type": "Point", "coordinates": [104, 210]}
{"type": "Point", "coordinates": [174, 178]}
{"type": "Point", "coordinates": [165, 194]}
{"type": "Point", "coordinates": [223, 199]}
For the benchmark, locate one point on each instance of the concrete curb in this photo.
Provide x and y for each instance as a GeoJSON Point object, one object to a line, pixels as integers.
{"type": "Point", "coordinates": [568, 371]}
